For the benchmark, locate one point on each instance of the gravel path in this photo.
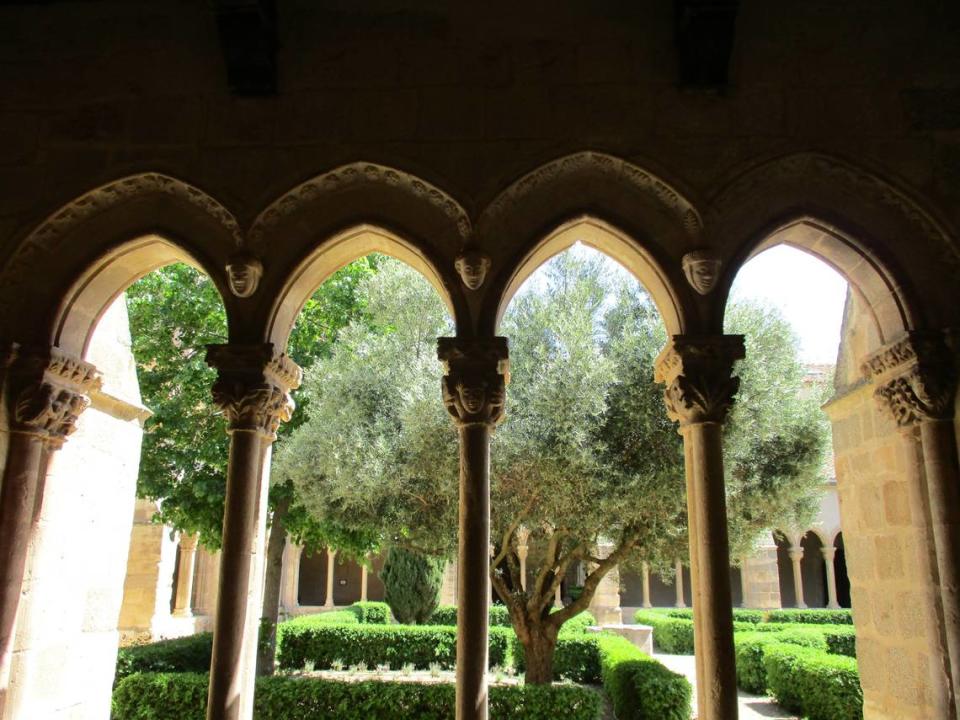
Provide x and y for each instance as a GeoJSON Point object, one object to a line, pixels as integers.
{"type": "Point", "coordinates": [752, 707]}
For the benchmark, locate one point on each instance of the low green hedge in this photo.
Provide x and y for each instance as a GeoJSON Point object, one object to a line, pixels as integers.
{"type": "Point", "coordinates": [811, 616]}
{"type": "Point", "coordinates": [186, 654]}
{"type": "Point", "coordinates": [371, 613]}
{"type": "Point", "coordinates": [183, 696]}
{"type": "Point", "coordinates": [639, 687]}
{"type": "Point", "coordinates": [577, 658]}
{"type": "Point", "coordinates": [750, 648]}
{"type": "Point", "coordinates": [670, 635]}
{"type": "Point", "coordinates": [741, 615]}
{"type": "Point", "coordinates": [447, 615]}
{"type": "Point", "coordinates": [395, 645]}
{"type": "Point", "coordinates": [578, 623]}
{"type": "Point", "coordinates": [814, 684]}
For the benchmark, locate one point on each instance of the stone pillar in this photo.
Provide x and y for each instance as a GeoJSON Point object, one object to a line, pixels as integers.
{"type": "Point", "coordinates": [331, 558]}
{"type": "Point", "coordinates": [290, 592]}
{"type": "Point", "coordinates": [523, 536]}
{"type": "Point", "coordinates": [796, 557]}
{"type": "Point", "coordinates": [678, 584]}
{"type": "Point", "coordinates": [253, 390]}
{"type": "Point", "coordinates": [558, 598]}
{"type": "Point", "coordinates": [744, 584]}
{"type": "Point", "coordinates": [185, 568]}
{"type": "Point", "coordinates": [363, 582]}
{"type": "Point", "coordinates": [474, 392]}
{"type": "Point", "coordinates": [47, 392]}
{"type": "Point", "coordinates": [916, 382]}
{"type": "Point", "coordinates": [605, 604]}
{"type": "Point", "coordinates": [698, 373]}
{"type": "Point", "coordinates": [646, 585]}
{"type": "Point", "coordinates": [449, 584]}
{"type": "Point", "coordinates": [829, 553]}
{"type": "Point", "coordinates": [760, 576]}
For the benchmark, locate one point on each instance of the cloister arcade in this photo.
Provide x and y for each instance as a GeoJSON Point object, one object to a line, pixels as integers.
{"type": "Point", "coordinates": [896, 461]}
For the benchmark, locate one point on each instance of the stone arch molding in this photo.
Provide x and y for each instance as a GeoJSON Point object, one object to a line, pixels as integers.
{"type": "Point", "coordinates": [61, 231]}
{"type": "Point", "coordinates": [620, 170]}
{"type": "Point", "coordinates": [357, 174]}
{"type": "Point", "coordinates": [854, 220]}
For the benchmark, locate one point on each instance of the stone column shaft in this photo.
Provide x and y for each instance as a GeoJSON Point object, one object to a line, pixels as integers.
{"type": "Point", "coordinates": [829, 553]}
{"type": "Point", "coordinates": [679, 601]}
{"type": "Point", "coordinates": [183, 598]}
{"type": "Point", "coordinates": [331, 558]}
{"type": "Point", "coordinates": [252, 389]}
{"type": "Point", "coordinates": [47, 393]}
{"type": "Point", "coordinates": [700, 387]}
{"type": "Point", "coordinates": [363, 583]}
{"type": "Point", "coordinates": [916, 381]}
{"type": "Point", "coordinates": [522, 551]}
{"type": "Point", "coordinates": [646, 585]}
{"type": "Point", "coordinates": [796, 558]}
{"type": "Point", "coordinates": [476, 372]}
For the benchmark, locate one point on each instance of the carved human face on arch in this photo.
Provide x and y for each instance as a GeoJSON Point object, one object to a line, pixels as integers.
{"type": "Point", "coordinates": [243, 274]}
{"type": "Point", "coordinates": [472, 267]}
{"type": "Point", "coordinates": [702, 269]}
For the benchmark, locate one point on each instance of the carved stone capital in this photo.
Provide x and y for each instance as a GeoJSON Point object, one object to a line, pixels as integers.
{"type": "Point", "coordinates": [52, 389]}
{"type": "Point", "coordinates": [698, 373]}
{"type": "Point", "coordinates": [476, 371]}
{"type": "Point", "coordinates": [253, 387]}
{"type": "Point", "coordinates": [915, 378]}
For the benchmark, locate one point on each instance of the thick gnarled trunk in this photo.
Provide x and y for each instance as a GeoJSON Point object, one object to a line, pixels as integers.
{"type": "Point", "coordinates": [267, 646]}
{"type": "Point", "coordinates": [538, 650]}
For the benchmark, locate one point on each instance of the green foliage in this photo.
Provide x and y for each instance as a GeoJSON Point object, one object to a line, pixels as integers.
{"type": "Point", "coordinates": [578, 624]}
{"type": "Point", "coordinates": [750, 648]}
{"type": "Point", "coordinates": [186, 654]}
{"type": "Point", "coordinates": [813, 683]}
{"type": "Point", "coordinates": [814, 616]}
{"type": "Point", "coordinates": [639, 687]}
{"type": "Point", "coordinates": [372, 613]}
{"type": "Point", "coordinates": [447, 615]}
{"type": "Point", "coordinates": [740, 615]}
{"type": "Point", "coordinates": [577, 658]}
{"type": "Point", "coordinates": [174, 313]}
{"type": "Point", "coordinates": [395, 645]}
{"type": "Point", "coordinates": [184, 697]}
{"type": "Point", "coordinates": [671, 635]}
{"type": "Point", "coordinates": [411, 583]}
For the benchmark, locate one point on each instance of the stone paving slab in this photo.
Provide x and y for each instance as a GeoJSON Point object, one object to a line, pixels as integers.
{"type": "Point", "coordinates": [752, 707]}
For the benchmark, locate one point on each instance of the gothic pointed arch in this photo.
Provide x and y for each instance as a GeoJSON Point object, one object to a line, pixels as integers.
{"type": "Point", "coordinates": [68, 269]}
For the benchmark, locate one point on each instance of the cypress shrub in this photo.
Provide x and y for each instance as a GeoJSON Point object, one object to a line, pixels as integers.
{"type": "Point", "coordinates": [411, 584]}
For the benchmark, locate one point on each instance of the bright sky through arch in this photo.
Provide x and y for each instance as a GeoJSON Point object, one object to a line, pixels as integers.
{"type": "Point", "coordinates": [808, 292]}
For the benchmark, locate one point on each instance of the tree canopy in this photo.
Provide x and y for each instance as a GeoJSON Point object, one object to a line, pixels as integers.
{"type": "Point", "coordinates": [174, 313]}
{"type": "Point", "coordinates": [586, 456]}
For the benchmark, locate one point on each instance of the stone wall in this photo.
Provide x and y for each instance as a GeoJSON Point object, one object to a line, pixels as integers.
{"type": "Point", "coordinates": [67, 627]}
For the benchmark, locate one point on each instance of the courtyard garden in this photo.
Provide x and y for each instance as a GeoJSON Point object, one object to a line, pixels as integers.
{"type": "Point", "coordinates": [357, 663]}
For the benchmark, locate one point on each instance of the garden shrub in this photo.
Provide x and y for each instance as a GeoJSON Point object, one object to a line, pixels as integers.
{"type": "Point", "coordinates": [639, 687]}
{"type": "Point", "coordinates": [371, 613]}
{"type": "Point", "coordinates": [447, 615]}
{"type": "Point", "coordinates": [740, 615]}
{"type": "Point", "coordinates": [186, 654]}
{"type": "Point", "coordinates": [811, 616]}
{"type": "Point", "coordinates": [411, 583]}
{"type": "Point", "coordinates": [395, 645]}
{"type": "Point", "coordinates": [577, 658]}
{"type": "Point", "coordinates": [578, 623]}
{"type": "Point", "coordinates": [814, 684]}
{"type": "Point", "coordinates": [183, 696]}
{"type": "Point", "coordinates": [750, 647]}
{"type": "Point", "coordinates": [670, 635]}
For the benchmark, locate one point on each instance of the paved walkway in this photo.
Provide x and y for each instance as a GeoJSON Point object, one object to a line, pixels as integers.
{"type": "Point", "coordinates": [752, 707]}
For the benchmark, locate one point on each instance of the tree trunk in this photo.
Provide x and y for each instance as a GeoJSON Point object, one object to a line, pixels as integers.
{"type": "Point", "coordinates": [538, 652]}
{"type": "Point", "coordinates": [267, 647]}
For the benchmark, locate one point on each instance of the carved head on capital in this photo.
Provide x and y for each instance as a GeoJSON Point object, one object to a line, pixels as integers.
{"type": "Point", "coordinates": [472, 266]}
{"type": "Point", "coordinates": [243, 274]}
{"type": "Point", "coordinates": [702, 270]}
{"type": "Point", "coordinates": [475, 399]}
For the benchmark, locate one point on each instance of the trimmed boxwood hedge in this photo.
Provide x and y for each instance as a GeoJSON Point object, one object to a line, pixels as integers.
{"type": "Point", "coordinates": [577, 658]}
{"type": "Point", "coordinates": [447, 615]}
{"type": "Point", "coordinates": [395, 645]}
{"type": "Point", "coordinates": [814, 684]}
{"type": "Point", "coordinates": [371, 613]}
{"type": "Point", "coordinates": [740, 615]}
{"type": "Point", "coordinates": [750, 647]}
{"type": "Point", "coordinates": [186, 654]}
{"type": "Point", "coordinates": [811, 616]}
{"type": "Point", "coordinates": [639, 687]}
{"type": "Point", "coordinates": [670, 635]}
{"type": "Point", "coordinates": [183, 696]}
